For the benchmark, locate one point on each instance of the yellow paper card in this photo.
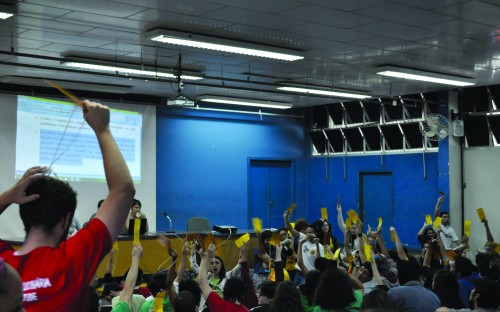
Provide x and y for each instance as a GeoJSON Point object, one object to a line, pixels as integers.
{"type": "Point", "coordinates": [428, 219]}
{"type": "Point", "coordinates": [467, 228]}
{"type": "Point", "coordinates": [368, 252]}
{"type": "Point", "coordinates": [158, 304]}
{"type": "Point", "coordinates": [354, 216]}
{"type": "Point", "coordinates": [137, 227]}
{"type": "Point", "coordinates": [379, 222]}
{"type": "Point", "coordinates": [497, 248]}
{"type": "Point", "coordinates": [437, 222]}
{"type": "Point", "coordinates": [115, 246]}
{"type": "Point", "coordinates": [393, 236]}
{"type": "Point", "coordinates": [348, 222]}
{"type": "Point", "coordinates": [257, 225]}
{"type": "Point", "coordinates": [291, 208]}
{"type": "Point", "coordinates": [324, 213]}
{"type": "Point", "coordinates": [481, 215]}
{"type": "Point", "coordinates": [349, 259]}
{"type": "Point", "coordinates": [242, 240]}
{"type": "Point", "coordinates": [365, 239]}
{"type": "Point", "coordinates": [275, 239]}
{"type": "Point", "coordinates": [336, 254]}
{"type": "Point", "coordinates": [292, 224]}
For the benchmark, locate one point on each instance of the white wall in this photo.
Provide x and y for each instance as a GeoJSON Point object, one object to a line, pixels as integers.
{"type": "Point", "coordinates": [89, 193]}
{"type": "Point", "coordinates": [482, 178]}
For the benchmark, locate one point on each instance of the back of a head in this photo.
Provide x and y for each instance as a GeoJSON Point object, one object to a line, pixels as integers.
{"type": "Point", "coordinates": [301, 224]}
{"type": "Point", "coordinates": [375, 300]}
{"type": "Point", "coordinates": [286, 298]}
{"type": "Point", "coordinates": [408, 270]}
{"type": "Point", "coordinates": [193, 287]}
{"type": "Point", "coordinates": [57, 199]}
{"type": "Point", "coordinates": [267, 288]}
{"type": "Point", "coordinates": [184, 302]}
{"type": "Point", "coordinates": [445, 286]}
{"type": "Point", "coordinates": [106, 290]}
{"type": "Point", "coordinates": [334, 290]}
{"type": "Point", "coordinates": [463, 266]}
{"type": "Point", "coordinates": [489, 293]}
{"type": "Point", "coordinates": [157, 282]}
{"type": "Point", "coordinates": [233, 289]}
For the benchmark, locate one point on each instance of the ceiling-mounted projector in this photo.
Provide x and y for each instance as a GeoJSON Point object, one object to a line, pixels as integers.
{"type": "Point", "coordinates": [180, 101]}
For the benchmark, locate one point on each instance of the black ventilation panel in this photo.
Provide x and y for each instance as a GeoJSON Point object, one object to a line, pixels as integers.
{"type": "Point", "coordinates": [372, 136]}
{"type": "Point", "coordinates": [476, 131]}
{"type": "Point", "coordinates": [394, 112]}
{"type": "Point", "coordinates": [336, 139]}
{"type": "Point", "coordinates": [413, 135]}
{"type": "Point", "coordinates": [354, 139]}
{"type": "Point", "coordinates": [373, 111]}
{"type": "Point", "coordinates": [494, 121]}
{"type": "Point", "coordinates": [319, 141]}
{"type": "Point", "coordinates": [393, 136]}
{"type": "Point", "coordinates": [355, 111]}
{"type": "Point", "coordinates": [475, 99]}
{"type": "Point", "coordinates": [336, 112]}
{"type": "Point", "coordinates": [319, 117]}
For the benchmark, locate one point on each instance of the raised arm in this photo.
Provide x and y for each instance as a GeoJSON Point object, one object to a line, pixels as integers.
{"type": "Point", "coordinates": [183, 264]}
{"type": "Point", "coordinates": [381, 243]}
{"type": "Point", "coordinates": [489, 236]}
{"type": "Point", "coordinates": [438, 204]}
{"type": "Point", "coordinates": [17, 193]}
{"type": "Point", "coordinates": [399, 246]}
{"type": "Point", "coordinates": [300, 260]}
{"type": "Point", "coordinates": [115, 208]}
{"type": "Point", "coordinates": [289, 226]}
{"type": "Point", "coordinates": [340, 218]}
{"type": "Point", "coordinates": [376, 274]}
{"type": "Point", "coordinates": [130, 281]}
{"type": "Point", "coordinates": [206, 257]}
{"type": "Point", "coordinates": [262, 250]}
{"type": "Point", "coordinates": [361, 242]}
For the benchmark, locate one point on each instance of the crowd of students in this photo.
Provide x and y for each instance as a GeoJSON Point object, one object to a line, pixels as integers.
{"type": "Point", "coordinates": [299, 268]}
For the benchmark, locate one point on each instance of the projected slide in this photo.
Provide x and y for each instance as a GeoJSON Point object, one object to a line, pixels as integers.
{"type": "Point", "coordinates": [54, 132]}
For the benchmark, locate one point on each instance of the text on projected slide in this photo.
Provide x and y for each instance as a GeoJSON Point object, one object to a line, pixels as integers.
{"type": "Point", "coordinates": [49, 130]}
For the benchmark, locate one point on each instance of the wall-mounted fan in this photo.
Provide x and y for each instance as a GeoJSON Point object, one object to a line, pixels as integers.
{"type": "Point", "coordinates": [434, 127]}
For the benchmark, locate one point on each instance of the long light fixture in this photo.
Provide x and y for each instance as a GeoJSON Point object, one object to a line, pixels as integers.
{"type": "Point", "coordinates": [243, 102]}
{"type": "Point", "coordinates": [127, 71]}
{"type": "Point", "coordinates": [412, 74]}
{"type": "Point", "coordinates": [6, 11]}
{"type": "Point", "coordinates": [224, 45]}
{"type": "Point", "coordinates": [324, 92]}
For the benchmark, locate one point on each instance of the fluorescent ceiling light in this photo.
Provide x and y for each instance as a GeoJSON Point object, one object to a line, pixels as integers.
{"type": "Point", "coordinates": [124, 70]}
{"type": "Point", "coordinates": [243, 102]}
{"type": "Point", "coordinates": [325, 92]}
{"type": "Point", "coordinates": [6, 11]}
{"type": "Point", "coordinates": [67, 84]}
{"type": "Point", "coordinates": [412, 74]}
{"type": "Point", "coordinates": [4, 15]}
{"type": "Point", "coordinates": [224, 45]}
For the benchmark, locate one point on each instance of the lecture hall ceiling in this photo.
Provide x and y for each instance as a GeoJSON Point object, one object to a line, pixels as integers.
{"type": "Point", "coordinates": [343, 43]}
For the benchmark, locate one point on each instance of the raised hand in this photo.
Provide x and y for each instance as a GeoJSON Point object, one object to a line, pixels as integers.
{"type": "Point", "coordinates": [17, 193]}
{"type": "Point", "coordinates": [96, 115]}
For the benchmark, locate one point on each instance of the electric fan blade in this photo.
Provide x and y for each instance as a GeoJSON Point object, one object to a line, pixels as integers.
{"type": "Point", "coordinates": [430, 133]}
{"type": "Point", "coordinates": [432, 121]}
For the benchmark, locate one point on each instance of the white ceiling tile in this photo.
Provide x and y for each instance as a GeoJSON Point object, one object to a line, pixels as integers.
{"type": "Point", "coordinates": [327, 16]}
{"type": "Point", "coordinates": [63, 38]}
{"type": "Point", "coordinates": [394, 30]}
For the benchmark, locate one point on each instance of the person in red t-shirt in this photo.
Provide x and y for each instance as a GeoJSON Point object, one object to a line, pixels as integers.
{"type": "Point", "coordinates": [55, 271]}
{"type": "Point", "coordinates": [233, 289]}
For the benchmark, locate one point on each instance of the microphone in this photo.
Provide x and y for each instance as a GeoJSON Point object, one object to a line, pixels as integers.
{"type": "Point", "coordinates": [169, 221]}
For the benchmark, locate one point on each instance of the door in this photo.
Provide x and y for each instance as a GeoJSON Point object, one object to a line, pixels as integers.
{"type": "Point", "coordinates": [270, 191]}
{"type": "Point", "coordinates": [377, 200]}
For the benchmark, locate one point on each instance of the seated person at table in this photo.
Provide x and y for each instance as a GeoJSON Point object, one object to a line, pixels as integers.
{"type": "Point", "coordinates": [135, 213]}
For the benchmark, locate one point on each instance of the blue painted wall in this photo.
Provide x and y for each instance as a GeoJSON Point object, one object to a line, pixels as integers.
{"type": "Point", "coordinates": [202, 163]}
{"type": "Point", "coordinates": [202, 167]}
{"type": "Point", "coordinates": [414, 195]}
